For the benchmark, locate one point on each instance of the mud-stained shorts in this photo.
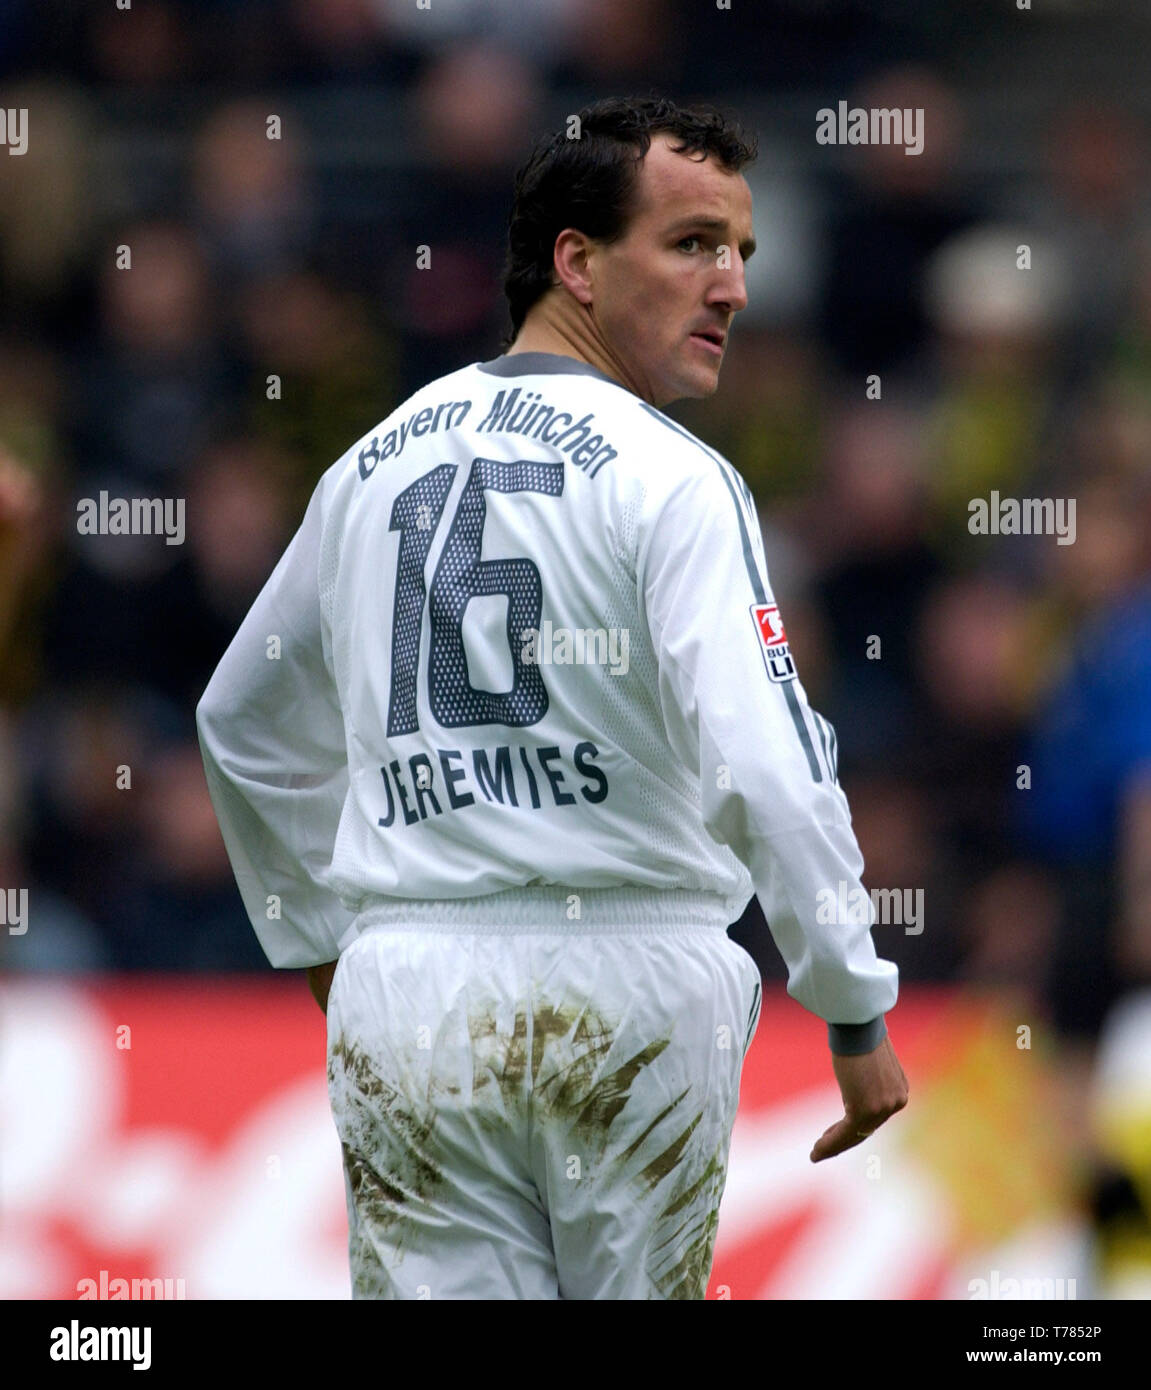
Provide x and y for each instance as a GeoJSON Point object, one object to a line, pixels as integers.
{"type": "Point", "coordinates": [535, 1115]}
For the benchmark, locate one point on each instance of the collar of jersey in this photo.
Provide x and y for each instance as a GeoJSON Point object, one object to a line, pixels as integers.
{"type": "Point", "coordinates": [542, 363]}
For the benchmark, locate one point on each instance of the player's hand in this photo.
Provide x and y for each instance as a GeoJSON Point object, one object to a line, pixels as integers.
{"type": "Point", "coordinates": [320, 982]}
{"type": "Point", "coordinates": [874, 1088]}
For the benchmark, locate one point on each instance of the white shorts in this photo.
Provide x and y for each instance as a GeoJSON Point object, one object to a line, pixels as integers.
{"type": "Point", "coordinates": [537, 1115]}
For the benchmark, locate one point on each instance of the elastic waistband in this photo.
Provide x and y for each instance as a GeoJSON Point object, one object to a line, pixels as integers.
{"type": "Point", "coordinates": [566, 911]}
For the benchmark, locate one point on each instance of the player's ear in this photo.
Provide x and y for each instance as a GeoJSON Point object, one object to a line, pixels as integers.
{"type": "Point", "coordinates": [571, 264]}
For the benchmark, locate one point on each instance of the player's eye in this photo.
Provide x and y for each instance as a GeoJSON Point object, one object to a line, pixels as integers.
{"type": "Point", "coordinates": [687, 240]}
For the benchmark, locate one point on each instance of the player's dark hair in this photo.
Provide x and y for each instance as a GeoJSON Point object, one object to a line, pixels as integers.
{"type": "Point", "coordinates": [588, 181]}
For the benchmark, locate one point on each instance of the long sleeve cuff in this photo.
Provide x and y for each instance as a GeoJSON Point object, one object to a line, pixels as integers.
{"type": "Point", "coordinates": [854, 1039]}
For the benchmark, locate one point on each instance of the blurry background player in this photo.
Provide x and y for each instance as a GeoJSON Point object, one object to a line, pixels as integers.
{"type": "Point", "coordinates": [537, 1022]}
{"type": "Point", "coordinates": [297, 258]}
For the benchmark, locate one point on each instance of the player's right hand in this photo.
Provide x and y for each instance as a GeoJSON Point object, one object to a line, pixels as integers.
{"type": "Point", "coordinates": [874, 1088]}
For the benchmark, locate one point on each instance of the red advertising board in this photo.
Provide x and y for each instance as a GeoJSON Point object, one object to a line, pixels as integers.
{"type": "Point", "coordinates": [177, 1131]}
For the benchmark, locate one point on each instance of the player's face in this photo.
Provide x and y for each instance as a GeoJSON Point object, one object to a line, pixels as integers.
{"type": "Point", "coordinates": [665, 294]}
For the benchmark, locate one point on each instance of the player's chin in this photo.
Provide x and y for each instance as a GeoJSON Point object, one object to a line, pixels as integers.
{"type": "Point", "coordinates": [704, 384]}
{"type": "Point", "coordinates": [689, 383]}
{"type": "Point", "coordinates": [698, 382]}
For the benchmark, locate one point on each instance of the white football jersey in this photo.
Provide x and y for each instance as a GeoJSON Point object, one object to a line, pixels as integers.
{"type": "Point", "coordinates": [523, 652]}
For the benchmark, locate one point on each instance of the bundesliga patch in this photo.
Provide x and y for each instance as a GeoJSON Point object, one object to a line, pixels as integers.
{"type": "Point", "coordinates": [773, 641]}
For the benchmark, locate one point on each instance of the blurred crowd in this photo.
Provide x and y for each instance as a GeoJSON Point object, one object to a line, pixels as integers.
{"type": "Point", "coordinates": [992, 694]}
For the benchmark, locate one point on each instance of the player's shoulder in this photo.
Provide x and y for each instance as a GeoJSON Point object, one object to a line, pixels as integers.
{"type": "Point", "coordinates": [682, 454]}
{"type": "Point", "coordinates": [685, 476]}
{"type": "Point", "coordinates": [546, 395]}
{"type": "Point", "coordinates": [606, 430]}
{"type": "Point", "coordinates": [537, 393]}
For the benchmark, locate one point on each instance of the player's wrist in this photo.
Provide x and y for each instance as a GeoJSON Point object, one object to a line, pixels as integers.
{"type": "Point", "coordinates": [856, 1039]}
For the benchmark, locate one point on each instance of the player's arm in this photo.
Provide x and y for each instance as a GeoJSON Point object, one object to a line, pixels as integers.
{"type": "Point", "coordinates": [272, 737]}
{"type": "Point", "coordinates": [738, 713]}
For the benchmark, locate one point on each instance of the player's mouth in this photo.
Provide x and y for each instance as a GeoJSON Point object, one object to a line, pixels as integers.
{"type": "Point", "coordinates": [712, 339]}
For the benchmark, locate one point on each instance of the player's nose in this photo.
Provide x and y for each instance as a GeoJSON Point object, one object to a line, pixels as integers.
{"type": "Point", "coordinates": [729, 288]}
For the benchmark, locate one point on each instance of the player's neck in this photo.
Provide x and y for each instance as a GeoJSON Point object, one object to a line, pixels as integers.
{"type": "Point", "coordinates": [551, 327]}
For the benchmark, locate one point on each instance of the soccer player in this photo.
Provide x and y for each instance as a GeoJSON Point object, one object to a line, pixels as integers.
{"type": "Point", "coordinates": [509, 739]}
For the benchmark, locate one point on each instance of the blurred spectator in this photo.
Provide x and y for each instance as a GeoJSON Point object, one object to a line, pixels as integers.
{"type": "Point", "coordinates": [1095, 212]}
{"type": "Point", "coordinates": [145, 45]}
{"type": "Point", "coordinates": [133, 607]}
{"type": "Point", "coordinates": [898, 820]}
{"type": "Point", "coordinates": [186, 914]}
{"type": "Point", "coordinates": [531, 31]}
{"type": "Point", "coordinates": [240, 517]}
{"type": "Point", "coordinates": [789, 220]}
{"type": "Point", "coordinates": [151, 386]}
{"type": "Point", "coordinates": [341, 36]}
{"type": "Point", "coordinates": [887, 221]}
{"type": "Point", "coordinates": [120, 822]}
{"type": "Point", "coordinates": [972, 653]}
{"type": "Point", "coordinates": [30, 508]}
{"type": "Point", "coordinates": [449, 298]}
{"type": "Point", "coordinates": [619, 46]}
{"type": "Point", "coordinates": [1129, 357]}
{"type": "Point", "coordinates": [997, 324]}
{"type": "Point", "coordinates": [83, 830]}
{"type": "Point", "coordinates": [252, 203]}
{"type": "Point", "coordinates": [866, 531]}
{"type": "Point", "coordinates": [49, 203]}
{"type": "Point", "coordinates": [51, 934]}
{"type": "Point", "coordinates": [1090, 757]}
{"type": "Point", "coordinates": [22, 508]}
{"type": "Point", "coordinates": [1006, 924]}
{"type": "Point", "coordinates": [320, 371]}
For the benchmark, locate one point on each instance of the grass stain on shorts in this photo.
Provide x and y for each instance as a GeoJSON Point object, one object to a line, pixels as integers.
{"type": "Point", "coordinates": [385, 1140]}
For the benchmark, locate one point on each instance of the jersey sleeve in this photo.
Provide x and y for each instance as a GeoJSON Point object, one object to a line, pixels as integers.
{"type": "Point", "coordinates": [272, 738]}
{"type": "Point", "coordinates": [735, 710]}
